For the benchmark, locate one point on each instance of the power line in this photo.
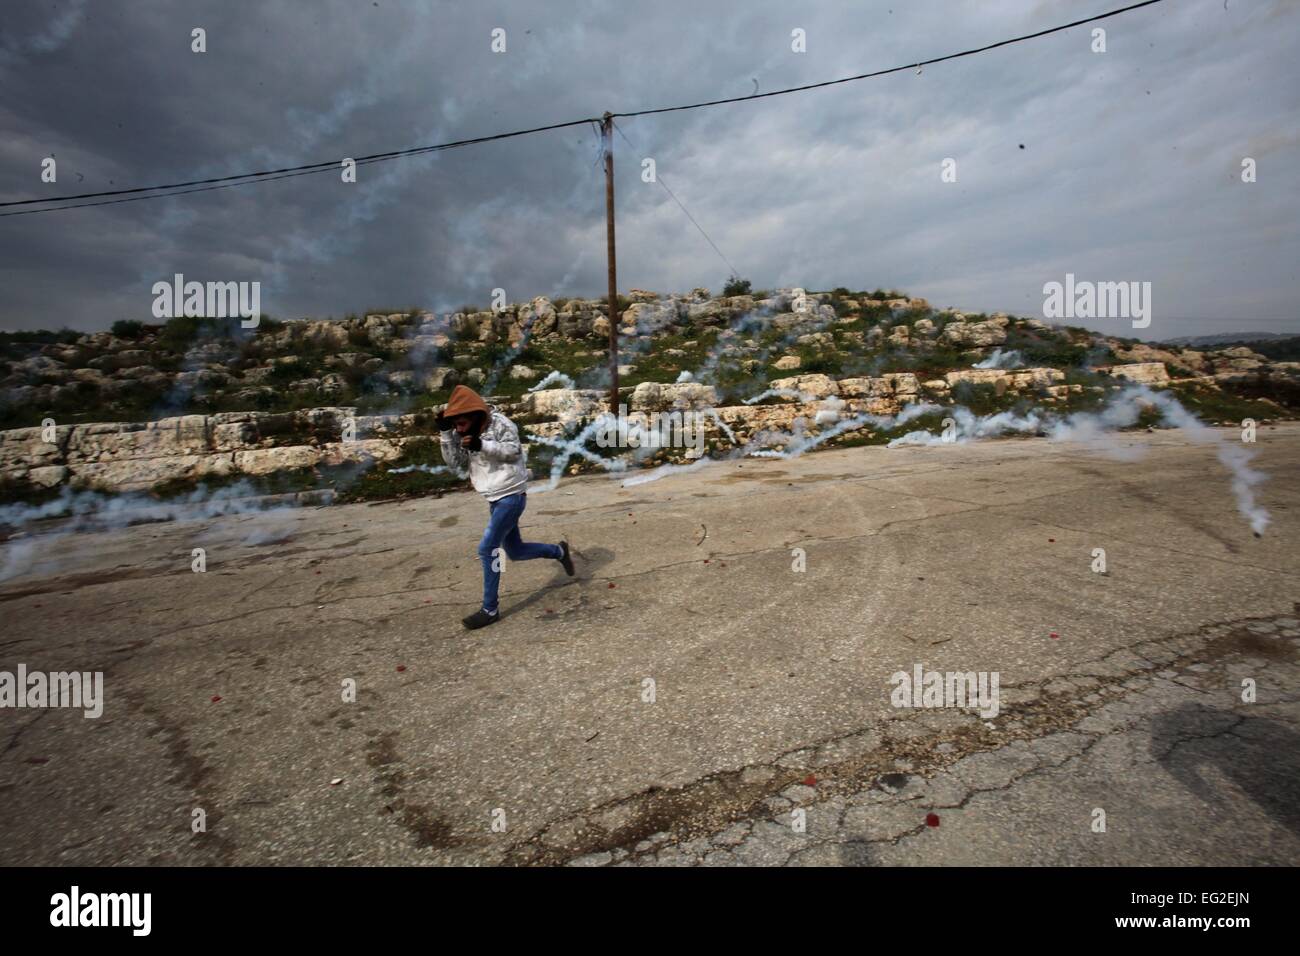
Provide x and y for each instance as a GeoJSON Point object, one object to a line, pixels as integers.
{"type": "Point", "coordinates": [243, 179]}
{"type": "Point", "coordinates": [660, 181]}
{"type": "Point", "coordinates": [896, 69]}
{"type": "Point", "coordinates": [308, 168]}
{"type": "Point", "coordinates": [181, 192]}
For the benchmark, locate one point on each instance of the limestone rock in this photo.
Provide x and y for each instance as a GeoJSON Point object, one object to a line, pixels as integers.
{"type": "Point", "coordinates": [653, 396]}
{"type": "Point", "coordinates": [1146, 373]}
{"type": "Point", "coordinates": [973, 334]}
{"type": "Point", "coordinates": [566, 404]}
{"type": "Point", "coordinates": [812, 386]}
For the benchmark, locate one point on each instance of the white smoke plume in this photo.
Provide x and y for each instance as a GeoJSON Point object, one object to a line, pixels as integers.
{"type": "Point", "coordinates": [508, 359]}
{"type": "Point", "coordinates": [1098, 431]}
{"type": "Point", "coordinates": [575, 447]}
{"type": "Point", "coordinates": [551, 379]}
{"type": "Point", "coordinates": [663, 471]}
{"type": "Point", "coordinates": [722, 426]}
{"type": "Point", "coordinates": [79, 512]}
{"type": "Point", "coordinates": [1001, 359]}
{"type": "Point", "coordinates": [782, 393]}
{"type": "Point", "coordinates": [797, 442]}
{"type": "Point", "coordinates": [429, 470]}
{"type": "Point", "coordinates": [1232, 455]}
{"type": "Point", "coordinates": [967, 426]}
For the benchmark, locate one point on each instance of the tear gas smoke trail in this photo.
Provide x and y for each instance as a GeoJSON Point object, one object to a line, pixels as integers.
{"type": "Point", "coordinates": [968, 425]}
{"type": "Point", "coordinates": [421, 355]}
{"type": "Point", "coordinates": [796, 442]}
{"type": "Point", "coordinates": [551, 379]}
{"type": "Point", "coordinates": [92, 511]}
{"type": "Point", "coordinates": [813, 322]}
{"type": "Point", "coordinates": [1001, 359]}
{"type": "Point", "coordinates": [328, 243]}
{"type": "Point", "coordinates": [712, 413]}
{"type": "Point", "coordinates": [648, 324]}
{"type": "Point", "coordinates": [95, 511]}
{"type": "Point", "coordinates": [759, 319]}
{"type": "Point", "coordinates": [428, 470]}
{"type": "Point", "coordinates": [741, 325]}
{"type": "Point", "coordinates": [804, 397]}
{"type": "Point", "coordinates": [1097, 431]}
{"type": "Point", "coordinates": [751, 320]}
{"type": "Point", "coordinates": [511, 354]}
{"type": "Point", "coordinates": [575, 447]}
{"type": "Point", "coordinates": [663, 471]}
{"type": "Point", "coordinates": [17, 558]}
{"type": "Point", "coordinates": [801, 443]}
{"type": "Point", "coordinates": [831, 411]}
{"type": "Point", "coordinates": [1233, 457]}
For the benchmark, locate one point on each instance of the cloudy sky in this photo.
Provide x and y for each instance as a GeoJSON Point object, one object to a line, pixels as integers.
{"type": "Point", "coordinates": [1130, 168]}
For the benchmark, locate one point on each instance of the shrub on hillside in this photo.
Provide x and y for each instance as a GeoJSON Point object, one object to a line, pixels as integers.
{"type": "Point", "coordinates": [127, 328]}
{"type": "Point", "coordinates": [737, 286]}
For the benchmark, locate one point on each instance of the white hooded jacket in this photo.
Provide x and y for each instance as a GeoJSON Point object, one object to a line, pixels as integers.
{"type": "Point", "coordinates": [497, 470]}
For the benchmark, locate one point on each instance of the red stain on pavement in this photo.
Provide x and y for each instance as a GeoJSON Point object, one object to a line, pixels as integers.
{"type": "Point", "coordinates": [932, 819]}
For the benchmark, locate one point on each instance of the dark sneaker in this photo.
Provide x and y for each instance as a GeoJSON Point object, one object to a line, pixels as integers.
{"type": "Point", "coordinates": [565, 559]}
{"type": "Point", "coordinates": [480, 618]}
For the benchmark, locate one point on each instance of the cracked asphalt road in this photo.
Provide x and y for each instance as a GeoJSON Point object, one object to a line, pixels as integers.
{"type": "Point", "coordinates": [1120, 692]}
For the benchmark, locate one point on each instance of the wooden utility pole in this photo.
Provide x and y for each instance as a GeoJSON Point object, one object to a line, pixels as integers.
{"type": "Point", "coordinates": [607, 134]}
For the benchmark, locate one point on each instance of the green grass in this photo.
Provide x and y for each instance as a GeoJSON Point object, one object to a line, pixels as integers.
{"type": "Point", "coordinates": [866, 436]}
{"type": "Point", "coordinates": [1212, 405]}
{"type": "Point", "coordinates": [381, 483]}
{"type": "Point", "coordinates": [983, 398]}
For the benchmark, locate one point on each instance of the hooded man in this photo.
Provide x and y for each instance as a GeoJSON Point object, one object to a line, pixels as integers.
{"type": "Point", "coordinates": [478, 437]}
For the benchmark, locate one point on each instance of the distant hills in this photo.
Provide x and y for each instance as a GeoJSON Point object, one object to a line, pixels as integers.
{"type": "Point", "coordinates": [1228, 338]}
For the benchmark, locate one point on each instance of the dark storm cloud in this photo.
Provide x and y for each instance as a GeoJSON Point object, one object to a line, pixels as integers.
{"type": "Point", "coordinates": [826, 188]}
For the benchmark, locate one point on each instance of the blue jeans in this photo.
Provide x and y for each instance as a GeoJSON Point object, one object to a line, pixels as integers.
{"type": "Point", "coordinates": [502, 535]}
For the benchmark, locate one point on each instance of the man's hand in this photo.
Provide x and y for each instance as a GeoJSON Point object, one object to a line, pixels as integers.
{"type": "Point", "coordinates": [472, 442]}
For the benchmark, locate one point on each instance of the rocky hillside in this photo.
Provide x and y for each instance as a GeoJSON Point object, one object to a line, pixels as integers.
{"type": "Point", "coordinates": [348, 404]}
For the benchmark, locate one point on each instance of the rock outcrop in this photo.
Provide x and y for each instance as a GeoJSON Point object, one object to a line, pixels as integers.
{"type": "Point", "coordinates": [784, 343]}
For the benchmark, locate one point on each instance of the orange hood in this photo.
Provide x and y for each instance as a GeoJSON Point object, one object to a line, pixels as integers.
{"type": "Point", "coordinates": [464, 401]}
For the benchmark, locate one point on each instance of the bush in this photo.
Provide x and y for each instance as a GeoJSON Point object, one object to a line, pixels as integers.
{"type": "Point", "coordinates": [127, 329]}
{"type": "Point", "coordinates": [736, 286]}
{"type": "Point", "coordinates": [984, 398]}
{"type": "Point", "coordinates": [1279, 350]}
{"type": "Point", "coordinates": [178, 333]}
